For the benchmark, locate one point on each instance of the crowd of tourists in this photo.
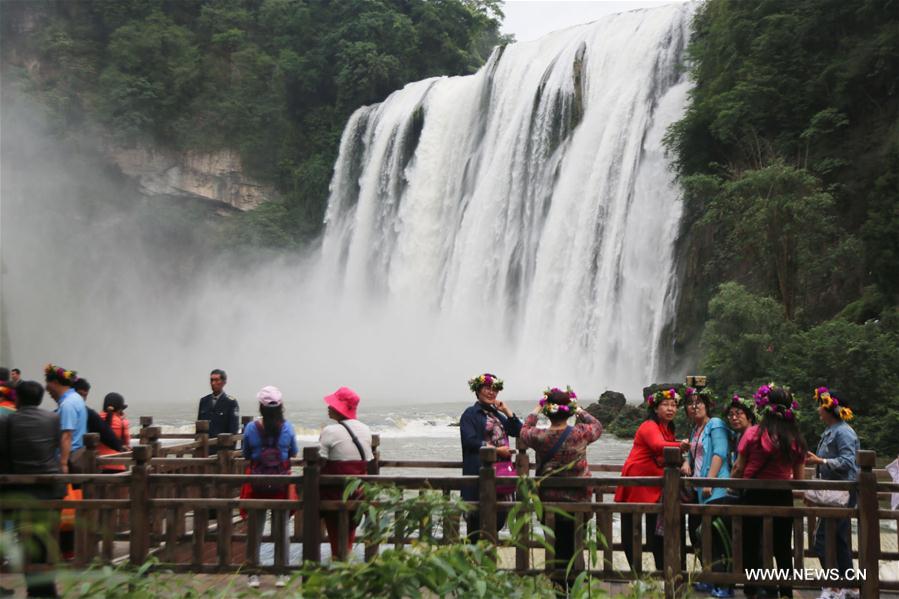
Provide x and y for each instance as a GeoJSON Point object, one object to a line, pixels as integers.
{"type": "Point", "coordinates": [751, 438]}
{"type": "Point", "coordinates": [38, 441]}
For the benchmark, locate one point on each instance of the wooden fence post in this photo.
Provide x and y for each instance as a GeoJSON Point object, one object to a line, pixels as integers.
{"type": "Point", "coordinates": [374, 466]}
{"type": "Point", "coordinates": [312, 528]}
{"type": "Point", "coordinates": [522, 552]}
{"type": "Point", "coordinates": [868, 525]}
{"type": "Point", "coordinates": [201, 437]}
{"type": "Point", "coordinates": [86, 520]}
{"type": "Point", "coordinates": [223, 515]}
{"type": "Point", "coordinates": [487, 494]}
{"type": "Point", "coordinates": [140, 507]}
{"type": "Point", "coordinates": [149, 436]}
{"type": "Point", "coordinates": [244, 421]}
{"type": "Point", "coordinates": [672, 520]}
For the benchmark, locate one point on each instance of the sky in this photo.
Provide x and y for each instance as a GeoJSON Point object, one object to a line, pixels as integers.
{"type": "Point", "coordinates": [531, 19]}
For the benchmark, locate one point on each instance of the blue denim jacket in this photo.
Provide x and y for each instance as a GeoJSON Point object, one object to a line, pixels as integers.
{"type": "Point", "coordinates": [715, 442]}
{"type": "Point", "coordinates": [839, 446]}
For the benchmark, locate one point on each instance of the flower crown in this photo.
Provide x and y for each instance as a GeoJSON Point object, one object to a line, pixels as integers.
{"type": "Point", "coordinates": [766, 406]}
{"type": "Point", "coordinates": [705, 394]}
{"type": "Point", "coordinates": [549, 407]}
{"type": "Point", "coordinates": [745, 404]}
{"type": "Point", "coordinates": [7, 392]}
{"type": "Point", "coordinates": [830, 402]}
{"type": "Point", "coordinates": [486, 379]}
{"type": "Point", "coordinates": [654, 399]}
{"type": "Point", "coordinates": [60, 374]}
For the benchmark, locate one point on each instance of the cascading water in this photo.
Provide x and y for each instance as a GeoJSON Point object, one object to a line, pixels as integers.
{"type": "Point", "coordinates": [529, 204]}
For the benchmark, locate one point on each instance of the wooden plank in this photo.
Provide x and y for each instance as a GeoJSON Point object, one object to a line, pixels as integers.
{"type": "Point", "coordinates": [343, 534]}
{"type": "Point", "coordinates": [706, 542]}
{"type": "Point", "coordinates": [311, 513]}
{"type": "Point", "coordinates": [637, 543]}
{"type": "Point", "coordinates": [487, 494]}
{"type": "Point", "coordinates": [604, 524]}
{"type": "Point", "coordinates": [798, 551]}
{"type": "Point", "coordinates": [579, 533]}
{"type": "Point", "coordinates": [767, 542]}
{"type": "Point", "coordinates": [254, 536]}
{"type": "Point", "coordinates": [672, 521]}
{"type": "Point", "coordinates": [736, 543]}
{"type": "Point", "coordinates": [550, 555]}
{"type": "Point", "coordinates": [280, 538]}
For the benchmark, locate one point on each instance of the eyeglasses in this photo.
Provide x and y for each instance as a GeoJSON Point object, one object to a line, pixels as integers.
{"type": "Point", "coordinates": [735, 415]}
{"type": "Point", "coordinates": [694, 404]}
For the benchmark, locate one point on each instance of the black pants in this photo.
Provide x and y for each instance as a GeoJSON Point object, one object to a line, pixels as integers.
{"type": "Point", "coordinates": [782, 529]}
{"type": "Point", "coordinates": [564, 543]}
{"type": "Point", "coordinates": [718, 560]}
{"type": "Point", "coordinates": [843, 538]}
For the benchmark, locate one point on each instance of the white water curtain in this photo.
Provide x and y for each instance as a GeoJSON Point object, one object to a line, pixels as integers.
{"type": "Point", "coordinates": [528, 208]}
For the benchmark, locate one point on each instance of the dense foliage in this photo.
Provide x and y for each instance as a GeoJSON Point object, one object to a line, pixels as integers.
{"type": "Point", "coordinates": [788, 155]}
{"type": "Point", "coordinates": [274, 79]}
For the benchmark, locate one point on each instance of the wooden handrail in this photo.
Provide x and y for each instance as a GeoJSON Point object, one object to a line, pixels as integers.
{"type": "Point", "coordinates": [163, 491]}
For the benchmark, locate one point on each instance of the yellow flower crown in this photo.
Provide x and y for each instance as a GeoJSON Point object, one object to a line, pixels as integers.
{"type": "Point", "coordinates": [828, 401]}
{"type": "Point", "coordinates": [60, 374]}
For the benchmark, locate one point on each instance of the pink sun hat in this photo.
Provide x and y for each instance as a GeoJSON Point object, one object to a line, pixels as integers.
{"type": "Point", "coordinates": [270, 396]}
{"type": "Point", "coordinates": [345, 401]}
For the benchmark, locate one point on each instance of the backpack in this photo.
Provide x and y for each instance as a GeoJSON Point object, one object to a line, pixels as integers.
{"type": "Point", "coordinates": [268, 463]}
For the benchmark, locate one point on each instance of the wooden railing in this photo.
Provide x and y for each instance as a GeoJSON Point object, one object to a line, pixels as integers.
{"type": "Point", "coordinates": [183, 510]}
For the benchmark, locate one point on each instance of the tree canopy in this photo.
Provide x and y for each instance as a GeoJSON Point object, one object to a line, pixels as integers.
{"type": "Point", "coordinates": [788, 156]}
{"type": "Point", "coordinates": [274, 79]}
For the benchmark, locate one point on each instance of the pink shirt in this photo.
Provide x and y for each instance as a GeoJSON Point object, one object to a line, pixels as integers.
{"type": "Point", "coordinates": [763, 460]}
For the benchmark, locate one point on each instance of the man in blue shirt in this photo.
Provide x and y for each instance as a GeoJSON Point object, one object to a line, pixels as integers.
{"type": "Point", "coordinates": [72, 417]}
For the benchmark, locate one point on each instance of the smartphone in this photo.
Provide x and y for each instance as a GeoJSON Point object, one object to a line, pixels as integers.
{"type": "Point", "coordinates": [696, 381]}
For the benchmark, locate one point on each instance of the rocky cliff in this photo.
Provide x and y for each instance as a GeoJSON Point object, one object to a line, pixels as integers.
{"type": "Point", "coordinates": [216, 177]}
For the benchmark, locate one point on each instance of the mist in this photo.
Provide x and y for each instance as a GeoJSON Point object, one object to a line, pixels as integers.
{"type": "Point", "coordinates": [99, 279]}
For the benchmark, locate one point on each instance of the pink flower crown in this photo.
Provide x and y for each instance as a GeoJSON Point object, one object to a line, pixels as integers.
{"type": "Point", "coordinates": [765, 406]}
{"type": "Point", "coordinates": [549, 407]}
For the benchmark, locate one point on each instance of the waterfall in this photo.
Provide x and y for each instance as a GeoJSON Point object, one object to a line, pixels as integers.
{"type": "Point", "coordinates": [528, 208]}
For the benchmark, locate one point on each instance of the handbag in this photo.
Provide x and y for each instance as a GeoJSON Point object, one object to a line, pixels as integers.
{"type": "Point", "coordinates": [67, 516]}
{"type": "Point", "coordinates": [827, 497]}
{"type": "Point", "coordinates": [505, 470]}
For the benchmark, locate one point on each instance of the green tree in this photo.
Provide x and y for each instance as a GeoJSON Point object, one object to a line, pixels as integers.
{"type": "Point", "coordinates": [742, 337]}
{"type": "Point", "coordinates": [152, 73]}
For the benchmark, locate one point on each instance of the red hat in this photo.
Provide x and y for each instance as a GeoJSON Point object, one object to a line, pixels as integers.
{"type": "Point", "coordinates": [345, 401]}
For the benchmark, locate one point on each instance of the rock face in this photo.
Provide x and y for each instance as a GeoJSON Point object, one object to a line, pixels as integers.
{"type": "Point", "coordinates": [607, 408]}
{"type": "Point", "coordinates": [216, 177]}
{"type": "Point", "coordinates": [617, 417]}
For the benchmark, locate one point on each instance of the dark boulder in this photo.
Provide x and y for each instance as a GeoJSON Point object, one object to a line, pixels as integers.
{"type": "Point", "coordinates": [607, 408]}
{"type": "Point", "coordinates": [629, 418]}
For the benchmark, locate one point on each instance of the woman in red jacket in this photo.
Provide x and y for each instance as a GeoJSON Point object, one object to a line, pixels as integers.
{"type": "Point", "coordinates": [646, 459]}
{"type": "Point", "coordinates": [114, 410]}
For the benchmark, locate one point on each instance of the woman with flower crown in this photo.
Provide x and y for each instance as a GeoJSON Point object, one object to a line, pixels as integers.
{"type": "Point", "coordinates": [835, 459]}
{"type": "Point", "coordinates": [487, 423]}
{"type": "Point", "coordinates": [646, 459]}
{"type": "Point", "coordinates": [771, 450]}
{"type": "Point", "coordinates": [562, 451]}
{"type": "Point", "coordinates": [708, 458]}
{"type": "Point", "coordinates": [739, 415]}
